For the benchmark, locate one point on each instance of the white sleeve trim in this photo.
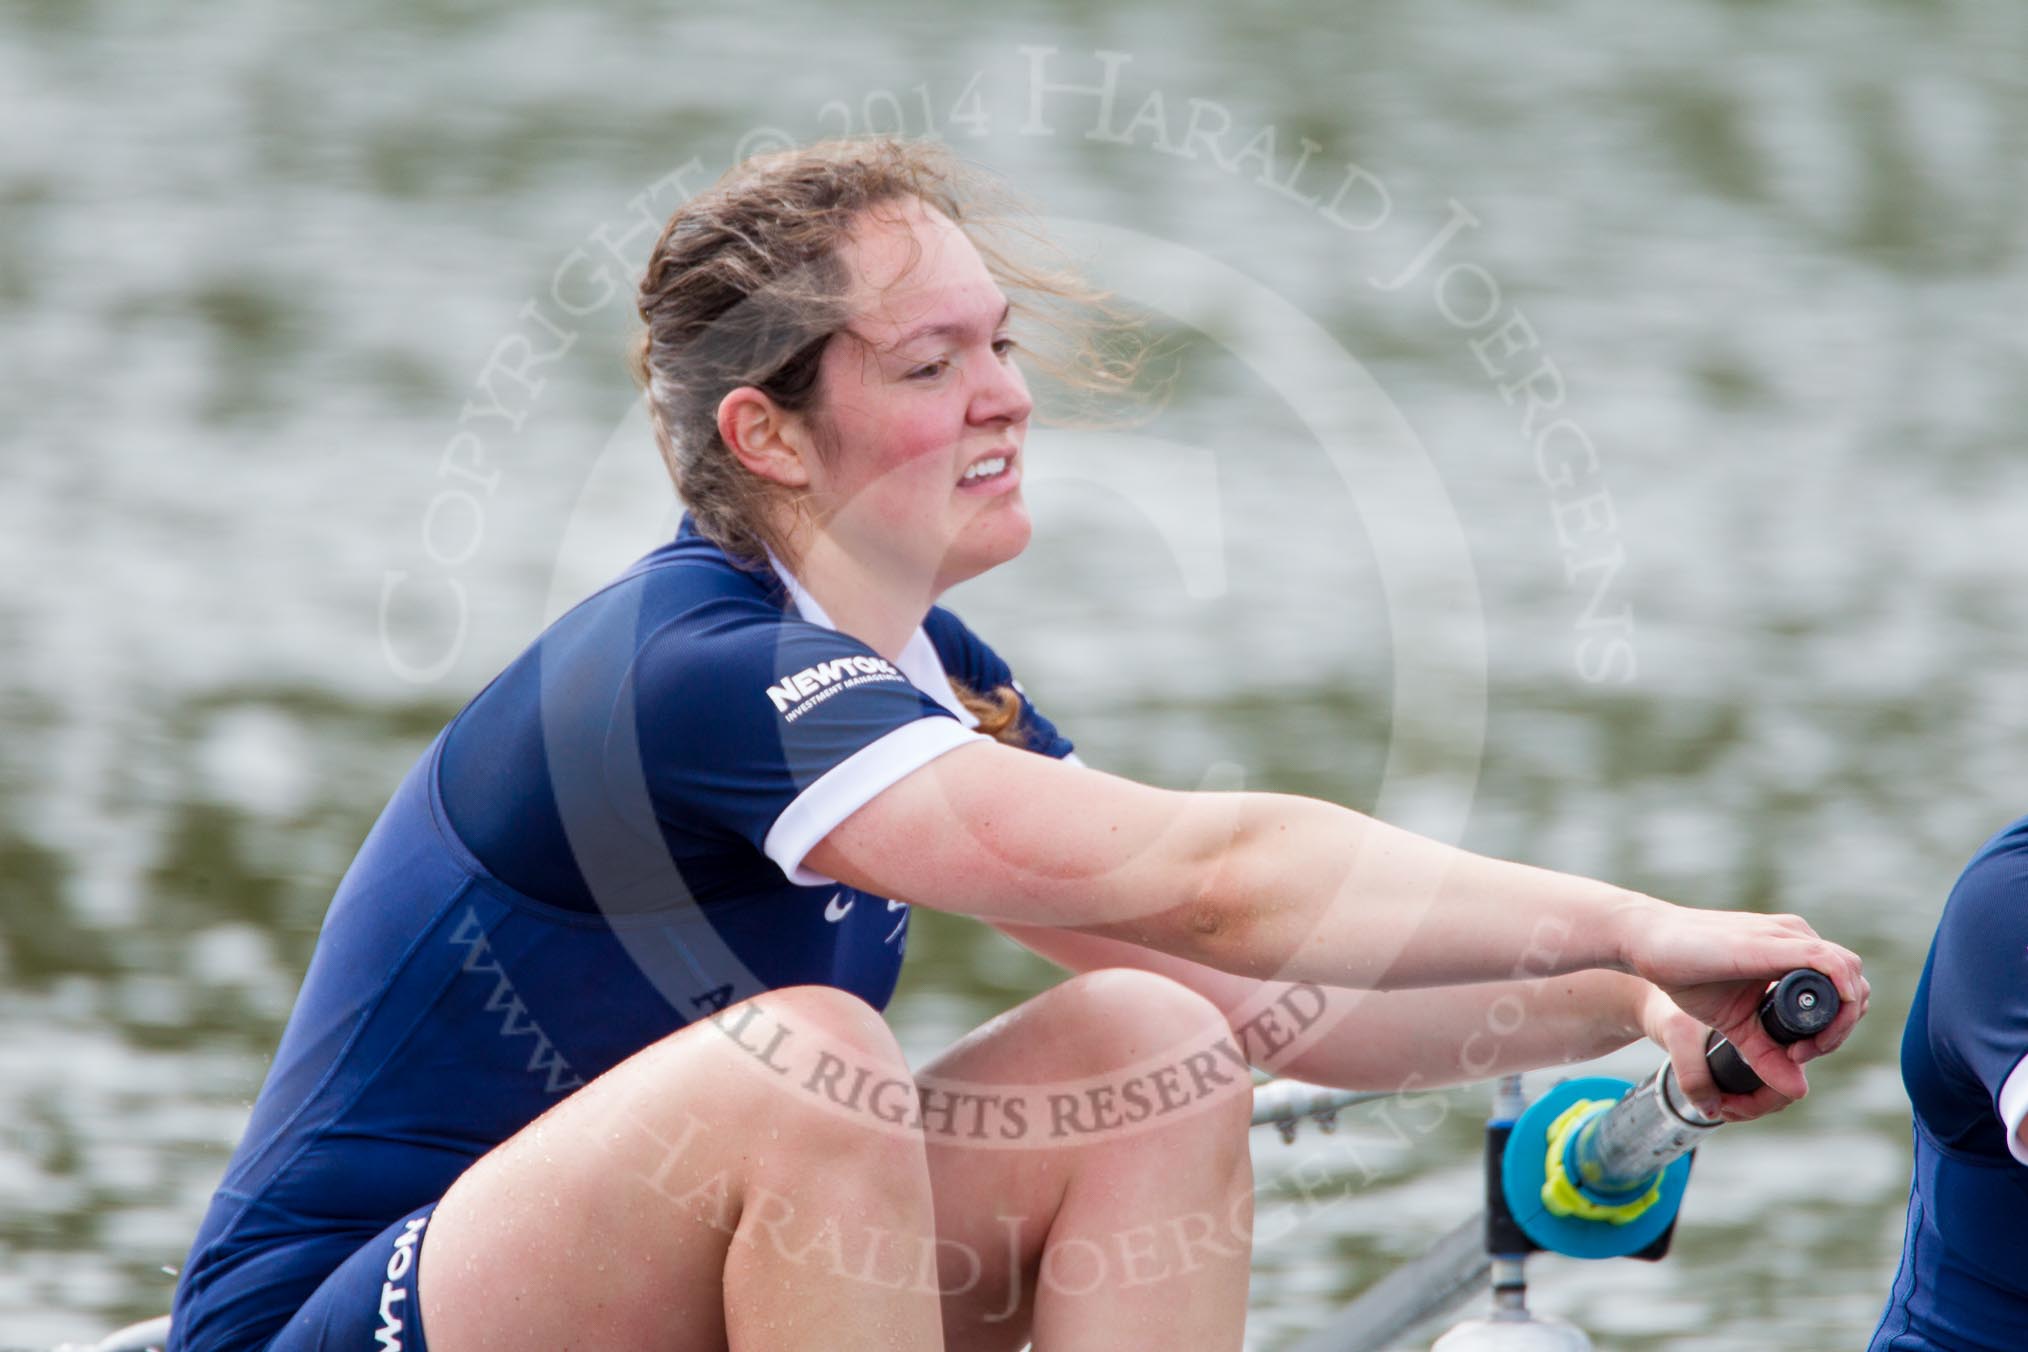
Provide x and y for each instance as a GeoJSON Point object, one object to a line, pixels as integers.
{"type": "Point", "coordinates": [1071, 758]}
{"type": "Point", "coordinates": [2014, 1107]}
{"type": "Point", "coordinates": [849, 785]}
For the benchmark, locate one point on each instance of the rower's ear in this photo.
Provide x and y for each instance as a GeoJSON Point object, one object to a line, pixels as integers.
{"type": "Point", "coordinates": [768, 439]}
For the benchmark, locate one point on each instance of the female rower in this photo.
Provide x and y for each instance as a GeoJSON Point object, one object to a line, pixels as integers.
{"type": "Point", "coordinates": [589, 1054]}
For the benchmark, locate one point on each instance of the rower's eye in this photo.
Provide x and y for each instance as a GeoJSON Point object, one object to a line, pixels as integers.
{"type": "Point", "coordinates": [930, 371]}
{"type": "Point", "coordinates": [1004, 347]}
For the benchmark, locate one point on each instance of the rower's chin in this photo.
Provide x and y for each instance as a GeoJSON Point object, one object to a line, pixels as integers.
{"type": "Point", "coordinates": [997, 531]}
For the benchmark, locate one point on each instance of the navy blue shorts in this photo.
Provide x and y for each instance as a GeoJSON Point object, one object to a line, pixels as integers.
{"type": "Point", "coordinates": [370, 1302]}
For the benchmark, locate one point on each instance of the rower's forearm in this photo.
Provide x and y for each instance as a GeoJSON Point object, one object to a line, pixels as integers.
{"type": "Point", "coordinates": [1305, 890]}
{"type": "Point", "coordinates": [1389, 1040]}
{"type": "Point", "coordinates": [1392, 1040]}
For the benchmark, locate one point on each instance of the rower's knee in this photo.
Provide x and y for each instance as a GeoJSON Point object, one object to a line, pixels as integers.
{"type": "Point", "coordinates": [1142, 1023]}
{"type": "Point", "coordinates": [832, 1017]}
{"type": "Point", "coordinates": [1153, 1056]}
{"type": "Point", "coordinates": [813, 1070]}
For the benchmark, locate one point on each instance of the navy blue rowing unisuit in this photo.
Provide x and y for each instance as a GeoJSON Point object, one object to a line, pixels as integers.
{"type": "Point", "coordinates": [1963, 1283]}
{"type": "Point", "coordinates": [604, 845]}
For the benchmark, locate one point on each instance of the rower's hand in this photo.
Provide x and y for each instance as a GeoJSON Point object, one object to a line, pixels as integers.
{"type": "Point", "coordinates": [1714, 967]}
{"type": "Point", "coordinates": [1683, 1037]}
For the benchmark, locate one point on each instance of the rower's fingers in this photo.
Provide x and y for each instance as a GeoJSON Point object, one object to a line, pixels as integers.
{"type": "Point", "coordinates": [1826, 1042]}
{"type": "Point", "coordinates": [1782, 1083]}
{"type": "Point", "coordinates": [1832, 1038]}
{"type": "Point", "coordinates": [1771, 1061]}
{"type": "Point", "coordinates": [1746, 1107]}
{"type": "Point", "coordinates": [1846, 970]}
{"type": "Point", "coordinates": [1693, 1072]}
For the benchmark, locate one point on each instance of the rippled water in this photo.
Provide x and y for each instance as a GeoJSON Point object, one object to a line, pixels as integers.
{"type": "Point", "coordinates": [1765, 651]}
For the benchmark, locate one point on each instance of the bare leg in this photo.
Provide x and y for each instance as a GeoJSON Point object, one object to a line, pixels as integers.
{"type": "Point", "coordinates": [762, 1182]}
{"type": "Point", "coordinates": [1085, 1229]}
{"type": "Point", "coordinates": [697, 1197]}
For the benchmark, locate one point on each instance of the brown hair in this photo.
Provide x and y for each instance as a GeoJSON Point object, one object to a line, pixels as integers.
{"type": "Point", "coordinates": [746, 286]}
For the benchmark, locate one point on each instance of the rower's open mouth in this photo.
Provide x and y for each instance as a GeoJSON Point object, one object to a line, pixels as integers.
{"type": "Point", "coordinates": [985, 471]}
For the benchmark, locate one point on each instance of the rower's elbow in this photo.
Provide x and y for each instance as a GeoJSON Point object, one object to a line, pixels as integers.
{"type": "Point", "coordinates": [1220, 924]}
{"type": "Point", "coordinates": [1209, 921]}
{"type": "Point", "coordinates": [1227, 932]}
{"type": "Point", "coordinates": [1211, 933]}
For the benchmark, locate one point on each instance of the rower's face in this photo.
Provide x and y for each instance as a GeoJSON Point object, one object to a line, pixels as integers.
{"type": "Point", "coordinates": [920, 388]}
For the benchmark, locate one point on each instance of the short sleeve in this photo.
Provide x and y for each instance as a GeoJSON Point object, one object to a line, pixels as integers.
{"type": "Point", "coordinates": [966, 656]}
{"type": "Point", "coordinates": [1978, 985]}
{"type": "Point", "coordinates": [777, 730]}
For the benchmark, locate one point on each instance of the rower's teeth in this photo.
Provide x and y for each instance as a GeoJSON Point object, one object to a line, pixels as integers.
{"type": "Point", "coordinates": [986, 469]}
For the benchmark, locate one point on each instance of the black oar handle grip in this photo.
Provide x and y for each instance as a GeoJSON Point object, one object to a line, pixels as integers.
{"type": "Point", "coordinates": [1802, 1004]}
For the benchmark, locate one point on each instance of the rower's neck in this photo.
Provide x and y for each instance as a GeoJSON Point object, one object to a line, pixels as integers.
{"type": "Point", "coordinates": [854, 598]}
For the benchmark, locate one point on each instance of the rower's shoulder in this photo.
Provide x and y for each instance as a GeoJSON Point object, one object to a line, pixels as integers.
{"type": "Point", "coordinates": [1990, 899]}
{"type": "Point", "coordinates": [683, 586]}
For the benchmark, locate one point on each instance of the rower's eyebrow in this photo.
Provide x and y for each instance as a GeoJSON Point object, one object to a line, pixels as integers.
{"type": "Point", "coordinates": [946, 330]}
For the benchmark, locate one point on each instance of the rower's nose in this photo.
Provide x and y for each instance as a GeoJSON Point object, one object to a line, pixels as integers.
{"type": "Point", "coordinates": [1000, 395]}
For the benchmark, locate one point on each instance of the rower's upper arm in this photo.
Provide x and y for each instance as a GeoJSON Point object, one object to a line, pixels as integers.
{"type": "Point", "coordinates": [995, 832]}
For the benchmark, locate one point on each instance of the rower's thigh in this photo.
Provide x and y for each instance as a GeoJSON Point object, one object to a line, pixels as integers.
{"type": "Point", "coordinates": [606, 1222]}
